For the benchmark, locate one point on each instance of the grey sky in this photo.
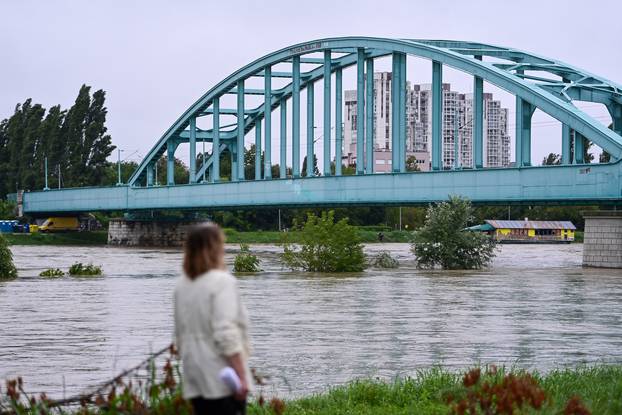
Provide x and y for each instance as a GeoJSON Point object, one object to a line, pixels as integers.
{"type": "Point", "coordinates": [155, 58]}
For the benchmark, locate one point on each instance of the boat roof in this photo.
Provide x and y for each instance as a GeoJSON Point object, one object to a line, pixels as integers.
{"type": "Point", "coordinates": [531, 224]}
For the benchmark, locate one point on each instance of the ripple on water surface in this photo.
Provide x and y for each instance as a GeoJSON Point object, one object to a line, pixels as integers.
{"type": "Point", "coordinates": [535, 307]}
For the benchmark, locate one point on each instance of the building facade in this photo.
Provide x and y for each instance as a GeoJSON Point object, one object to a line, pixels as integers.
{"type": "Point", "coordinates": [457, 127]}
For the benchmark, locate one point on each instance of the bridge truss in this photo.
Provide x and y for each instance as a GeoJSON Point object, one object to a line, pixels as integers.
{"type": "Point", "coordinates": [536, 82]}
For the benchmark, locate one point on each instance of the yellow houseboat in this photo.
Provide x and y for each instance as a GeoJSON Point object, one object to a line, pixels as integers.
{"type": "Point", "coordinates": [525, 231]}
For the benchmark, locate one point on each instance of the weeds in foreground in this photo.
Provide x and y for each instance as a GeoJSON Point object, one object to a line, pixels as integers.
{"type": "Point", "coordinates": [488, 391]}
{"type": "Point", "coordinates": [385, 260]}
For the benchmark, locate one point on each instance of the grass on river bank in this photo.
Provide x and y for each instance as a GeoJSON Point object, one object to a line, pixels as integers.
{"type": "Point", "coordinates": [233, 236]}
{"type": "Point", "coordinates": [580, 391]}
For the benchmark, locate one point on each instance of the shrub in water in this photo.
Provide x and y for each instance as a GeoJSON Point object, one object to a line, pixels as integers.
{"type": "Point", "coordinates": [245, 261]}
{"type": "Point", "coordinates": [443, 241]}
{"type": "Point", "coordinates": [7, 269]}
{"type": "Point", "coordinates": [385, 260]}
{"type": "Point", "coordinates": [325, 246]}
{"type": "Point", "coordinates": [52, 273]}
{"type": "Point", "coordinates": [84, 270]}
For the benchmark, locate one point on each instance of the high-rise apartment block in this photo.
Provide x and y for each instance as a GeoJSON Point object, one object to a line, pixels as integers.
{"type": "Point", "coordinates": [457, 127]}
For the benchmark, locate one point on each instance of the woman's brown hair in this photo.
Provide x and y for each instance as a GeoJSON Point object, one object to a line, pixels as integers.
{"type": "Point", "coordinates": [203, 249]}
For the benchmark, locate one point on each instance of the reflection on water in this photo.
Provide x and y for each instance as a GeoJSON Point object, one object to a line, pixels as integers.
{"type": "Point", "coordinates": [536, 307]}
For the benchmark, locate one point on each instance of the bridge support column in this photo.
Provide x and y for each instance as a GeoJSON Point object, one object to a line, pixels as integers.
{"type": "Point", "coordinates": [215, 176]}
{"type": "Point", "coordinates": [398, 114]}
{"type": "Point", "coordinates": [326, 109]}
{"type": "Point", "coordinates": [360, 111]}
{"type": "Point", "coordinates": [338, 120]}
{"type": "Point", "coordinates": [478, 122]}
{"type": "Point", "coordinates": [524, 112]}
{"type": "Point", "coordinates": [267, 116]}
{"type": "Point", "coordinates": [233, 150]}
{"type": "Point", "coordinates": [148, 233]}
{"type": "Point", "coordinates": [239, 171]}
{"type": "Point", "coordinates": [283, 138]}
{"type": "Point", "coordinates": [579, 148]}
{"type": "Point", "coordinates": [192, 178]}
{"type": "Point", "coordinates": [150, 173]}
{"type": "Point", "coordinates": [310, 128]}
{"type": "Point", "coordinates": [170, 162]}
{"type": "Point", "coordinates": [369, 116]}
{"type": "Point", "coordinates": [437, 116]}
{"type": "Point", "coordinates": [566, 146]}
{"type": "Point", "coordinates": [296, 116]}
{"type": "Point", "coordinates": [258, 150]}
{"type": "Point", "coordinates": [602, 244]}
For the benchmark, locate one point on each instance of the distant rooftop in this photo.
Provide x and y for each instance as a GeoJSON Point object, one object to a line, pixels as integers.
{"type": "Point", "coordinates": [530, 224]}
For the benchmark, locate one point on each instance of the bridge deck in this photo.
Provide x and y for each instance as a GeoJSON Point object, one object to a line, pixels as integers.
{"type": "Point", "coordinates": [552, 184]}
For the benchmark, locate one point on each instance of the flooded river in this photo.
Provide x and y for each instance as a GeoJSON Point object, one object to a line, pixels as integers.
{"type": "Point", "coordinates": [536, 307]}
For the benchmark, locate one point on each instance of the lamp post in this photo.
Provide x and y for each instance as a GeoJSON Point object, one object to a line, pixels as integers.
{"type": "Point", "coordinates": [46, 174]}
{"type": "Point", "coordinates": [119, 182]}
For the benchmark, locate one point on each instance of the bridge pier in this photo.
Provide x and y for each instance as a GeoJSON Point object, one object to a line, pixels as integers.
{"type": "Point", "coordinates": [602, 244]}
{"type": "Point", "coordinates": [148, 233]}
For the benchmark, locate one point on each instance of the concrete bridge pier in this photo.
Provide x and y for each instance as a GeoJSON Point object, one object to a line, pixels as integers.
{"type": "Point", "coordinates": [602, 244]}
{"type": "Point", "coordinates": [148, 232]}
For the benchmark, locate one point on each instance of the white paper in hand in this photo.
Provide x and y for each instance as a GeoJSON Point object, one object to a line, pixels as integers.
{"type": "Point", "coordinates": [228, 376]}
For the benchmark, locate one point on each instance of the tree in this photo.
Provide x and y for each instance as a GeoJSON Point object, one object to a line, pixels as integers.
{"type": "Point", "coordinates": [411, 164]}
{"type": "Point", "coordinates": [326, 246]}
{"type": "Point", "coordinates": [552, 160]}
{"type": "Point", "coordinates": [316, 170]}
{"type": "Point", "coordinates": [443, 240]}
{"type": "Point", "coordinates": [604, 157]}
{"type": "Point", "coordinates": [7, 269]}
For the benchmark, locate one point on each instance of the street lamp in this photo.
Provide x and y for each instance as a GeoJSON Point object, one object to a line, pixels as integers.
{"type": "Point", "coordinates": [119, 182]}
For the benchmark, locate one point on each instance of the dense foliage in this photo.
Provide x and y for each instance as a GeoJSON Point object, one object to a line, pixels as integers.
{"type": "Point", "coordinates": [442, 240]}
{"type": "Point", "coordinates": [7, 210]}
{"type": "Point", "coordinates": [75, 142]}
{"type": "Point", "coordinates": [7, 268]}
{"type": "Point", "coordinates": [385, 260]}
{"type": "Point", "coordinates": [245, 261]}
{"type": "Point", "coordinates": [79, 269]}
{"type": "Point", "coordinates": [326, 245]}
{"type": "Point", "coordinates": [52, 273]}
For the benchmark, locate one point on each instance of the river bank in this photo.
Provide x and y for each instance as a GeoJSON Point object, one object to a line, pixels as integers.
{"type": "Point", "coordinates": [233, 237]}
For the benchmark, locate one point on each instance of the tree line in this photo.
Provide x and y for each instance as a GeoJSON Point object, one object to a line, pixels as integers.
{"type": "Point", "coordinates": [75, 142]}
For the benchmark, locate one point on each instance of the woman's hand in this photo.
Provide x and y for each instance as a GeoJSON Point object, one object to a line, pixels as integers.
{"type": "Point", "coordinates": [237, 363]}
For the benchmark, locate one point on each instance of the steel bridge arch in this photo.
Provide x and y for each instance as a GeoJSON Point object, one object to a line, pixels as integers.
{"type": "Point", "coordinates": [551, 96]}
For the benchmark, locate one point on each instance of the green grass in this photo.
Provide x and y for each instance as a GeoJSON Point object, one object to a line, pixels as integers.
{"type": "Point", "coordinates": [599, 388]}
{"type": "Point", "coordinates": [65, 238]}
{"type": "Point", "coordinates": [273, 237]}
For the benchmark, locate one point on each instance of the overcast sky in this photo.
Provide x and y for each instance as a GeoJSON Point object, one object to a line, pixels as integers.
{"type": "Point", "coordinates": [155, 58]}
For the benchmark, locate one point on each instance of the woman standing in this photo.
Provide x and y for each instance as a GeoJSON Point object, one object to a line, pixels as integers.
{"type": "Point", "coordinates": [210, 326]}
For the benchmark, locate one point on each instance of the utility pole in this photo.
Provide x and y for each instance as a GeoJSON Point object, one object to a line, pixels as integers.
{"type": "Point", "coordinates": [400, 218]}
{"type": "Point", "coordinates": [46, 174]}
{"type": "Point", "coordinates": [119, 182]}
{"type": "Point", "coordinates": [58, 175]}
{"type": "Point", "coordinates": [279, 220]}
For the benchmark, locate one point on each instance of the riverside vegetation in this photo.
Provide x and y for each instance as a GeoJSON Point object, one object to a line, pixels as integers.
{"type": "Point", "coordinates": [7, 268]}
{"type": "Point", "coordinates": [245, 261]}
{"type": "Point", "coordinates": [443, 241]}
{"type": "Point", "coordinates": [491, 391]}
{"type": "Point", "coordinates": [80, 270]}
{"type": "Point", "coordinates": [326, 245]}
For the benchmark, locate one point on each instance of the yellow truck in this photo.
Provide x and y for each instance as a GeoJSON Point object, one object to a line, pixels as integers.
{"type": "Point", "coordinates": [60, 224]}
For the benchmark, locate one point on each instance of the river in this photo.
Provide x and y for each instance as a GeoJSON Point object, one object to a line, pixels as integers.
{"type": "Point", "coordinates": [536, 307]}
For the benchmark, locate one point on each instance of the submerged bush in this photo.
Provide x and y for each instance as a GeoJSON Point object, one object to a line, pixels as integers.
{"type": "Point", "coordinates": [443, 241]}
{"type": "Point", "coordinates": [52, 273]}
{"type": "Point", "coordinates": [385, 260]}
{"type": "Point", "coordinates": [7, 268]}
{"type": "Point", "coordinates": [245, 261]}
{"type": "Point", "coordinates": [80, 269]}
{"type": "Point", "coordinates": [325, 246]}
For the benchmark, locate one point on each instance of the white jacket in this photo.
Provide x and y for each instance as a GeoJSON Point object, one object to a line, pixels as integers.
{"type": "Point", "coordinates": [210, 323]}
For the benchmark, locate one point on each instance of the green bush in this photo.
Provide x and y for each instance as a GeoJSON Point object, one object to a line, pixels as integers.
{"type": "Point", "coordinates": [80, 269]}
{"type": "Point", "coordinates": [7, 269]}
{"type": "Point", "coordinates": [325, 246]}
{"type": "Point", "coordinates": [385, 260]}
{"type": "Point", "coordinates": [442, 240]}
{"type": "Point", "coordinates": [52, 273]}
{"type": "Point", "coordinates": [245, 261]}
